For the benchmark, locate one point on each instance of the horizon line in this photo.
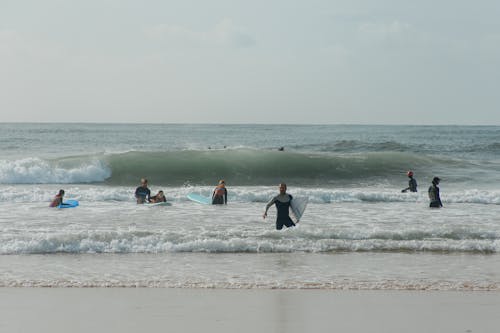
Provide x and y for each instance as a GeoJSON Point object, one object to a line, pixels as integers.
{"type": "Point", "coordinates": [241, 123]}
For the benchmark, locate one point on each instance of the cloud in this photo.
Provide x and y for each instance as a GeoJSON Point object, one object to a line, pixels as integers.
{"type": "Point", "coordinates": [385, 32]}
{"type": "Point", "coordinates": [224, 33]}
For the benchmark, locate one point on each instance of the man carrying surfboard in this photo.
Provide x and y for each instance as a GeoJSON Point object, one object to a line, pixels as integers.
{"type": "Point", "coordinates": [282, 202]}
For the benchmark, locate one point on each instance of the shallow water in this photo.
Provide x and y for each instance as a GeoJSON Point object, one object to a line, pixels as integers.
{"type": "Point", "coordinates": [359, 231]}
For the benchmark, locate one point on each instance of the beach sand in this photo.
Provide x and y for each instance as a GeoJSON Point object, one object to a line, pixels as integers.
{"type": "Point", "coordinates": [214, 310]}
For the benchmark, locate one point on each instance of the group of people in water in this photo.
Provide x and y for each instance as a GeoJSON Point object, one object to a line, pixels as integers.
{"type": "Point", "coordinates": [143, 194]}
{"type": "Point", "coordinates": [433, 191]}
{"type": "Point", "coordinates": [282, 201]}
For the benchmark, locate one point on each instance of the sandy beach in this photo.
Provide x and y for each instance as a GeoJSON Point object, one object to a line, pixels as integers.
{"type": "Point", "coordinates": [201, 310]}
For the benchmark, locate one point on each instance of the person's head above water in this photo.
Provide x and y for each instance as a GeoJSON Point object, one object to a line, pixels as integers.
{"type": "Point", "coordinates": [409, 173]}
{"type": "Point", "coordinates": [61, 193]}
{"type": "Point", "coordinates": [282, 188]}
{"type": "Point", "coordinates": [222, 182]}
{"type": "Point", "coordinates": [144, 182]}
{"type": "Point", "coordinates": [436, 180]}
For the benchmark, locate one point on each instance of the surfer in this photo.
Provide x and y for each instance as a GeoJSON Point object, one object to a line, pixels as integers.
{"type": "Point", "coordinates": [142, 193]}
{"type": "Point", "coordinates": [58, 199]}
{"type": "Point", "coordinates": [282, 202]}
{"type": "Point", "coordinates": [219, 196]}
{"type": "Point", "coordinates": [159, 197]}
{"type": "Point", "coordinates": [412, 183]}
{"type": "Point", "coordinates": [434, 194]}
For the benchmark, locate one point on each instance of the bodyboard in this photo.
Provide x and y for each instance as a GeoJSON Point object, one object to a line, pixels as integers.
{"type": "Point", "coordinates": [69, 204]}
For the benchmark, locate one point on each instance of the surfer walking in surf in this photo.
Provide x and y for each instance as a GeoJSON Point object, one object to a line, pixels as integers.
{"type": "Point", "coordinates": [412, 183]}
{"type": "Point", "coordinates": [282, 202]}
{"type": "Point", "coordinates": [434, 197]}
{"type": "Point", "coordinates": [219, 196]}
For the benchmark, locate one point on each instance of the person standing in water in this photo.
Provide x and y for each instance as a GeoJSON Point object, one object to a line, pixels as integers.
{"type": "Point", "coordinates": [142, 193]}
{"type": "Point", "coordinates": [412, 183]}
{"type": "Point", "coordinates": [434, 194]}
{"type": "Point", "coordinates": [219, 197]}
{"type": "Point", "coordinates": [282, 202]}
{"type": "Point", "coordinates": [58, 199]}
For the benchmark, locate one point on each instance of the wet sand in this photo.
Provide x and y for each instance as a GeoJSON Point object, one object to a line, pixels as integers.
{"type": "Point", "coordinates": [214, 310]}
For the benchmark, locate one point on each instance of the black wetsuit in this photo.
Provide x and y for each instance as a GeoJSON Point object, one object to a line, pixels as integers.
{"type": "Point", "coordinates": [143, 193]}
{"type": "Point", "coordinates": [434, 197]}
{"type": "Point", "coordinates": [219, 199]}
{"type": "Point", "coordinates": [412, 185]}
{"type": "Point", "coordinates": [283, 208]}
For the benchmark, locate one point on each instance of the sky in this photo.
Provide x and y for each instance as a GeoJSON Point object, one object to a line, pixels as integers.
{"type": "Point", "coordinates": [228, 61]}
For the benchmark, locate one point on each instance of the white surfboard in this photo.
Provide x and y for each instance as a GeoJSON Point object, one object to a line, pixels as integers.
{"type": "Point", "coordinates": [298, 206]}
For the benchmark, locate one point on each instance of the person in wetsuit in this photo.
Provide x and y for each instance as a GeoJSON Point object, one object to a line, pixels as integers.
{"type": "Point", "coordinates": [282, 202]}
{"type": "Point", "coordinates": [412, 183]}
{"type": "Point", "coordinates": [219, 197]}
{"type": "Point", "coordinates": [434, 194]}
{"type": "Point", "coordinates": [142, 193]}
{"type": "Point", "coordinates": [58, 199]}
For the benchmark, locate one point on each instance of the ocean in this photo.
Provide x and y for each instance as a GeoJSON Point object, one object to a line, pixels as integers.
{"type": "Point", "coordinates": [358, 232]}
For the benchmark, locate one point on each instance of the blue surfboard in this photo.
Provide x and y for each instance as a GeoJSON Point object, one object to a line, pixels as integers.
{"type": "Point", "coordinates": [69, 204]}
{"type": "Point", "coordinates": [199, 198]}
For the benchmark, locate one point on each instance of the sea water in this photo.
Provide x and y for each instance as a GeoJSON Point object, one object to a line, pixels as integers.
{"type": "Point", "coordinates": [359, 231]}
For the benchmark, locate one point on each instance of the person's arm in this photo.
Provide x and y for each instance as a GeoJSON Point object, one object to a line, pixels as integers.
{"type": "Point", "coordinates": [148, 195]}
{"type": "Point", "coordinates": [225, 196]}
{"type": "Point", "coordinates": [269, 204]}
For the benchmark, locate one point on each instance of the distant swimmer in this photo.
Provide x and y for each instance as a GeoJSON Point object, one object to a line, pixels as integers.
{"type": "Point", "coordinates": [159, 197]}
{"type": "Point", "coordinates": [282, 202]}
{"type": "Point", "coordinates": [219, 196]}
{"type": "Point", "coordinates": [281, 149]}
{"type": "Point", "coordinates": [412, 183]}
{"type": "Point", "coordinates": [142, 193]}
{"type": "Point", "coordinates": [434, 194]}
{"type": "Point", "coordinates": [58, 199]}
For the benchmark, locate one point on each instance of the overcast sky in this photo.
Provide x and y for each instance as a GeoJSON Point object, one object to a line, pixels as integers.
{"type": "Point", "coordinates": [259, 61]}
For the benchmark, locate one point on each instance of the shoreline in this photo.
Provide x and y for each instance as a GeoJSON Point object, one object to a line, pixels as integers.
{"type": "Point", "coordinates": [221, 310]}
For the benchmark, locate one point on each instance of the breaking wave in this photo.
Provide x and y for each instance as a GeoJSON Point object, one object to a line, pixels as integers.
{"type": "Point", "coordinates": [238, 167]}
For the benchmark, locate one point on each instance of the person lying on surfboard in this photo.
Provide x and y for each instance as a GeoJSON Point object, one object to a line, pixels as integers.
{"type": "Point", "coordinates": [159, 197]}
{"type": "Point", "coordinates": [58, 199]}
{"type": "Point", "coordinates": [282, 202]}
{"type": "Point", "coordinates": [142, 193]}
{"type": "Point", "coordinates": [219, 197]}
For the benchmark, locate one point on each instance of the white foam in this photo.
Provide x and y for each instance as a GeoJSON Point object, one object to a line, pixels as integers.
{"type": "Point", "coordinates": [38, 171]}
{"type": "Point", "coordinates": [251, 194]}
